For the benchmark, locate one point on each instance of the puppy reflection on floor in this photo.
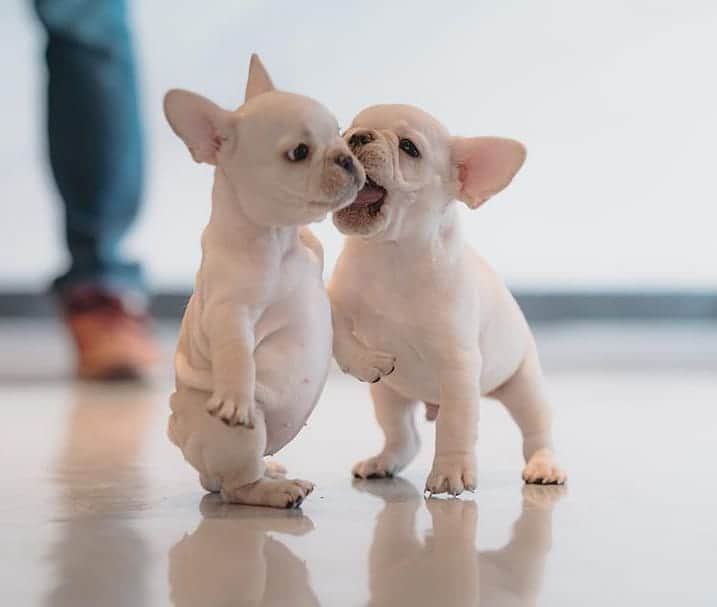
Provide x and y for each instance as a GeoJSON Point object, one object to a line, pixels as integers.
{"type": "Point", "coordinates": [447, 568]}
{"type": "Point", "coordinates": [100, 557]}
{"type": "Point", "coordinates": [230, 559]}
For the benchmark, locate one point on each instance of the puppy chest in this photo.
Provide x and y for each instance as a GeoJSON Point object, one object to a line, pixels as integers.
{"type": "Point", "coordinates": [412, 341]}
{"type": "Point", "coordinates": [303, 311]}
{"type": "Point", "coordinates": [294, 275]}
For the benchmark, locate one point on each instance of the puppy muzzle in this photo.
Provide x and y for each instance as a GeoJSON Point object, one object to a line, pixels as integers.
{"type": "Point", "coordinates": [341, 177]}
{"type": "Point", "coordinates": [378, 153]}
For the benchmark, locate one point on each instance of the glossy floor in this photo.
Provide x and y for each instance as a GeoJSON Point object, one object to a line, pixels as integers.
{"type": "Point", "coordinates": [97, 508]}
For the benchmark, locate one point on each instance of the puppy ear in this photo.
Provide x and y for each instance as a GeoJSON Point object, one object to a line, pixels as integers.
{"type": "Point", "coordinates": [485, 165]}
{"type": "Point", "coordinates": [259, 81]}
{"type": "Point", "coordinates": [203, 126]}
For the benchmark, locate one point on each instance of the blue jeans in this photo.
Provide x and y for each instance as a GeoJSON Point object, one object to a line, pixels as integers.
{"type": "Point", "coordinates": [95, 137]}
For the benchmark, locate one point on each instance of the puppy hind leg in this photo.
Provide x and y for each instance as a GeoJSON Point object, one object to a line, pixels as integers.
{"type": "Point", "coordinates": [255, 483]}
{"type": "Point", "coordinates": [523, 395]}
{"type": "Point", "coordinates": [395, 415]}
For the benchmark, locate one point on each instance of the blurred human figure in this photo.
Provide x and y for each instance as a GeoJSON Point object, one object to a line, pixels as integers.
{"type": "Point", "coordinates": [96, 154]}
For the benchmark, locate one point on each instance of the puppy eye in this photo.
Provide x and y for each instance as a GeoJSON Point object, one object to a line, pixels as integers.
{"type": "Point", "coordinates": [409, 147]}
{"type": "Point", "coordinates": [300, 152]}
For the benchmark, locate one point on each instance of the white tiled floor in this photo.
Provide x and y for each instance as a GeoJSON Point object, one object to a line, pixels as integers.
{"type": "Point", "coordinates": [97, 508]}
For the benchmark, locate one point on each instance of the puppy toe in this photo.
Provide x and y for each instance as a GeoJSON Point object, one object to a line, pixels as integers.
{"type": "Point", "coordinates": [295, 502]}
{"type": "Point", "coordinates": [436, 484]}
{"type": "Point", "coordinates": [385, 364]}
{"type": "Point", "coordinates": [213, 405]}
{"type": "Point", "coordinates": [306, 486]}
{"type": "Point", "coordinates": [245, 421]}
{"type": "Point", "coordinates": [227, 412]}
{"type": "Point", "coordinates": [469, 481]}
{"type": "Point", "coordinates": [374, 467]}
{"type": "Point", "coordinates": [455, 485]}
{"type": "Point", "coordinates": [542, 469]}
{"type": "Point", "coordinates": [298, 489]}
{"type": "Point", "coordinates": [381, 474]}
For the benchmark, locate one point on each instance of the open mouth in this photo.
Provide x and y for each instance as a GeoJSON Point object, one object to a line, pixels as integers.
{"type": "Point", "coordinates": [365, 208]}
{"type": "Point", "coordinates": [371, 197]}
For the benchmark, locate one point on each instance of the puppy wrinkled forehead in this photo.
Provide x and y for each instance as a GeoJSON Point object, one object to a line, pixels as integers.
{"type": "Point", "coordinates": [288, 112]}
{"type": "Point", "coordinates": [396, 117]}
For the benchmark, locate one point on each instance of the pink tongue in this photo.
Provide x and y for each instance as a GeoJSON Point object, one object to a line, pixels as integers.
{"type": "Point", "coordinates": [368, 195]}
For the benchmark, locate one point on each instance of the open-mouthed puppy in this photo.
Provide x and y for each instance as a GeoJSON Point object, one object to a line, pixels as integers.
{"type": "Point", "coordinates": [255, 342]}
{"type": "Point", "coordinates": [417, 312]}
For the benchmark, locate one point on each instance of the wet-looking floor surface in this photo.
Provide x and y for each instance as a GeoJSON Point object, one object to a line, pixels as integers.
{"type": "Point", "coordinates": [98, 508]}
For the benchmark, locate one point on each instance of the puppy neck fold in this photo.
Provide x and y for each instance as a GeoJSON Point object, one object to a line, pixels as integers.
{"type": "Point", "coordinates": [442, 237]}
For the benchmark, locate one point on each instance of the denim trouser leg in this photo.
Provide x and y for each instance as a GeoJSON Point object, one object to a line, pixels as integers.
{"type": "Point", "coordinates": [95, 138]}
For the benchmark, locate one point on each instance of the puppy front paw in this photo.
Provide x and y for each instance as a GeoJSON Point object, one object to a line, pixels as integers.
{"type": "Point", "coordinates": [452, 474]}
{"type": "Point", "coordinates": [231, 409]}
{"type": "Point", "coordinates": [370, 365]}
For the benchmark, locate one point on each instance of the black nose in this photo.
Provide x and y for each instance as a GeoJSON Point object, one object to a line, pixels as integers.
{"type": "Point", "coordinates": [345, 162]}
{"type": "Point", "coordinates": [360, 138]}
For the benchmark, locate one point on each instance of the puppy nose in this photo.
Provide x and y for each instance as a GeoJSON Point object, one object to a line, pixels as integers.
{"type": "Point", "coordinates": [345, 162]}
{"type": "Point", "coordinates": [361, 138]}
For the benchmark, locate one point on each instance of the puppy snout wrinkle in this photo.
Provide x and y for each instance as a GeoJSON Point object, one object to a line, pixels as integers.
{"type": "Point", "coordinates": [360, 138]}
{"type": "Point", "coordinates": [345, 162]}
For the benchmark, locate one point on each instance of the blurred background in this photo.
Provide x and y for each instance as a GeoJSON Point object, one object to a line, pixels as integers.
{"type": "Point", "coordinates": [614, 101]}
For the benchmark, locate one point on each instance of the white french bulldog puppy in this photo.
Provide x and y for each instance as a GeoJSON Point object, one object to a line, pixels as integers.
{"type": "Point", "coordinates": [416, 309]}
{"type": "Point", "coordinates": [255, 342]}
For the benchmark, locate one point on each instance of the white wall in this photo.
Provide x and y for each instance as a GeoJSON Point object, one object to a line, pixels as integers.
{"type": "Point", "coordinates": [614, 99]}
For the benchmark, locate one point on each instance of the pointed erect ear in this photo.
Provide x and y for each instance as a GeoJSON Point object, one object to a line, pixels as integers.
{"type": "Point", "coordinates": [203, 126]}
{"type": "Point", "coordinates": [259, 81]}
{"type": "Point", "coordinates": [485, 165]}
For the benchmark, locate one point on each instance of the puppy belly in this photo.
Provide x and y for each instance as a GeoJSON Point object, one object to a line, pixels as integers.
{"type": "Point", "coordinates": [505, 339]}
{"type": "Point", "coordinates": [417, 379]}
{"type": "Point", "coordinates": [291, 374]}
{"type": "Point", "coordinates": [419, 382]}
{"type": "Point", "coordinates": [418, 374]}
{"type": "Point", "coordinates": [288, 404]}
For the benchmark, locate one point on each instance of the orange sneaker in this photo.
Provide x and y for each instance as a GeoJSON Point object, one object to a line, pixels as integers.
{"type": "Point", "coordinates": [112, 340]}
